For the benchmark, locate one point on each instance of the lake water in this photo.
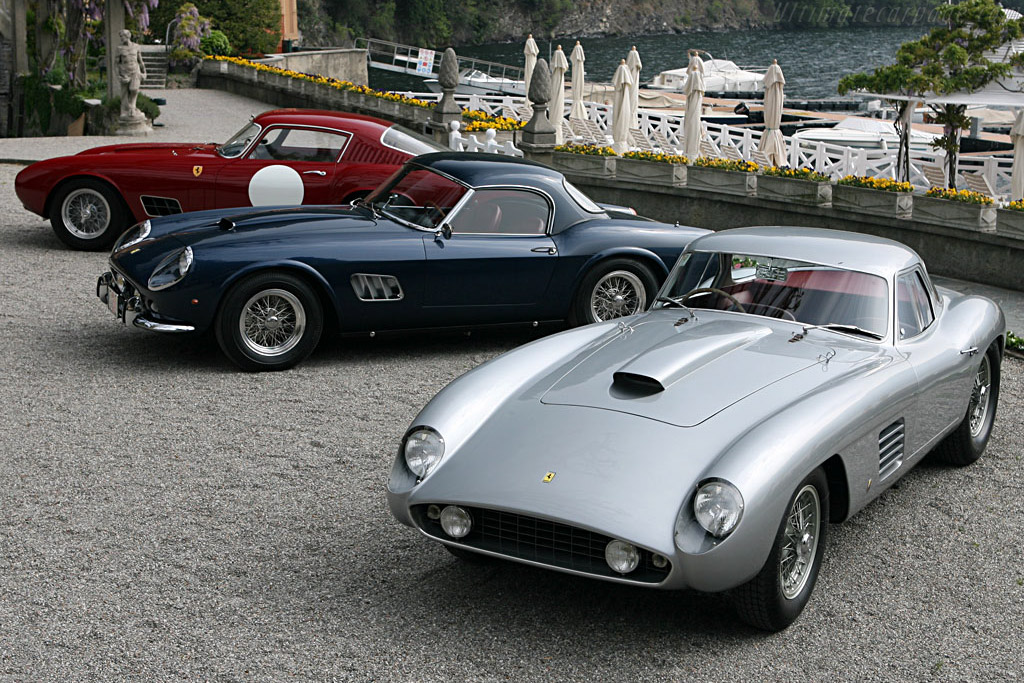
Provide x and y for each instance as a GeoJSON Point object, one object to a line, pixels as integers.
{"type": "Point", "coordinates": [813, 60]}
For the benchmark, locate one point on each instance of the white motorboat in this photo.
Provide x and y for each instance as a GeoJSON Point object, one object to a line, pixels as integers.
{"type": "Point", "coordinates": [476, 82]}
{"type": "Point", "coordinates": [865, 133]}
{"type": "Point", "coordinates": [721, 76]}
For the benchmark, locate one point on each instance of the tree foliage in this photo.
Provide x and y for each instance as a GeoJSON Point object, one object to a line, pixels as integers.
{"type": "Point", "coordinates": [949, 59]}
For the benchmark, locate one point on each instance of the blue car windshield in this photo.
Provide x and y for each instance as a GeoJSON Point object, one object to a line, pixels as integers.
{"type": "Point", "coordinates": [417, 197]}
{"type": "Point", "coordinates": [845, 300]}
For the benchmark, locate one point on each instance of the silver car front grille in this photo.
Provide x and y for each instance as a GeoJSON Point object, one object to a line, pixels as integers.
{"type": "Point", "coordinates": [544, 542]}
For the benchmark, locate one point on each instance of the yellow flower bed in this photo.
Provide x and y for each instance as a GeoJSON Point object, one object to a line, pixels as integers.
{"type": "Point", "coordinates": [872, 183]}
{"type": "Point", "coordinates": [644, 155]}
{"type": "Point", "coordinates": [1015, 206]}
{"type": "Point", "coordinates": [965, 196]}
{"type": "Point", "coordinates": [592, 150]}
{"type": "Point", "coordinates": [480, 120]}
{"type": "Point", "coordinates": [795, 173]}
{"type": "Point", "coordinates": [324, 80]}
{"type": "Point", "coordinates": [727, 164]}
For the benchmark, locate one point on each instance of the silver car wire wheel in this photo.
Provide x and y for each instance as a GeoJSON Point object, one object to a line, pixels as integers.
{"type": "Point", "coordinates": [981, 397]}
{"type": "Point", "coordinates": [617, 294]}
{"type": "Point", "coordinates": [272, 322]}
{"type": "Point", "coordinates": [85, 213]}
{"type": "Point", "coordinates": [801, 542]}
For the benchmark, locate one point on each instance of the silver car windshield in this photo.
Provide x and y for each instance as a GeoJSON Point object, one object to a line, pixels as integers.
{"type": "Point", "coordinates": [239, 141]}
{"type": "Point", "coordinates": [846, 301]}
{"type": "Point", "coordinates": [417, 197]}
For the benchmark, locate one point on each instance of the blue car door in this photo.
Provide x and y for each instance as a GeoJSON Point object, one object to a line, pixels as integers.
{"type": "Point", "coordinates": [496, 265]}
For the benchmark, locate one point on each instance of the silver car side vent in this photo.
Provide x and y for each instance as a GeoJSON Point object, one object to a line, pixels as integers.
{"type": "Point", "coordinates": [370, 287]}
{"type": "Point", "coordinates": [160, 206]}
{"type": "Point", "coordinates": [890, 448]}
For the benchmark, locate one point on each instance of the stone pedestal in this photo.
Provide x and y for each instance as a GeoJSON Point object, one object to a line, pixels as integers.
{"type": "Point", "coordinates": [133, 125]}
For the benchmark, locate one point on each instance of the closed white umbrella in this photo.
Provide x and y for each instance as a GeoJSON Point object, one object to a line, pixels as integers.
{"type": "Point", "coordinates": [1017, 173]}
{"type": "Point", "coordinates": [623, 116]}
{"type": "Point", "coordinates": [577, 57]}
{"type": "Point", "coordinates": [772, 143]}
{"type": "Point", "coordinates": [530, 52]}
{"type": "Point", "coordinates": [556, 112]}
{"type": "Point", "coordinates": [635, 65]}
{"type": "Point", "coordinates": [694, 103]}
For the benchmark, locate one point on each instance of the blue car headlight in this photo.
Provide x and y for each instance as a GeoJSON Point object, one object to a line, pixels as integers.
{"type": "Point", "coordinates": [171, 270]}
{"type": "Point", "coordinates": [134, 235]}
{"type": "Point", "coordinates": [423, 450]}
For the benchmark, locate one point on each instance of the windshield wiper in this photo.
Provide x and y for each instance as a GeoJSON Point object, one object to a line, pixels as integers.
{"type": "Point", "coordinates": [842, 327]}
{"type": "Point", "coordinates": [677, 302]}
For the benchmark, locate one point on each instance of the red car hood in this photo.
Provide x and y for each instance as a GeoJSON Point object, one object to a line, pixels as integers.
{"type": "Point", "coordinates": [151, 149]}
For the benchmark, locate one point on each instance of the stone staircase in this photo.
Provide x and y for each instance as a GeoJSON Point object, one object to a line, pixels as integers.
{"type": "Point", "coordinates": [155, 58]}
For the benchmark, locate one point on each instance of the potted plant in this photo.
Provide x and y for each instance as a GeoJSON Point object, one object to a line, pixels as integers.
{"type": "Point", "coordinates": [723, 175]}
{"type": "Point", "coordinates": [956, 208]}
{"type": "Point", "coordinates": [643, 166]}
{"type": "Point", "coordinates": [879, 196]}
{"type": "Point", "coordinates": [585, 159]}
{"type": "Point", "coordinates": [1010, 219]}
{"type": "Point", "coordinates": [801, 185]}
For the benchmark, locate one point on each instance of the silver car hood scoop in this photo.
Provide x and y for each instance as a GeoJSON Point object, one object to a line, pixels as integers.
{"type": "Point", "coordinates": [683, 374]}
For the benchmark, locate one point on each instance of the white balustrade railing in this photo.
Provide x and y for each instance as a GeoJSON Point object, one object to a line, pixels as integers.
{"type": "Point", "coordinates": [469, 143]}
{"type": "Point", "coordinates": [835, 161]}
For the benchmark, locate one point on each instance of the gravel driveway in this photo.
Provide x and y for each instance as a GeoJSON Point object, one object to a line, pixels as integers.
{"type": "Point", "coordinates": [164, 517]}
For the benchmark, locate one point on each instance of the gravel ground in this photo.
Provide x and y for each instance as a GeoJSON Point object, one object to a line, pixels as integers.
{"type": "Point", "coordinates": [164, 517]}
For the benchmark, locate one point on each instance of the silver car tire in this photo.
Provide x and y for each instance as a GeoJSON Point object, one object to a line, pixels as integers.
{"type": "Point", "coordinates": [87, 214]}
{"type": "Point", "coordinates": [967, 442]}
{"type": "Point", "coordinates": [774, 598]}
{"type": "Point", "coordinates": [269, 321]}
{"type": "Point", "coordinates": [613, 289]}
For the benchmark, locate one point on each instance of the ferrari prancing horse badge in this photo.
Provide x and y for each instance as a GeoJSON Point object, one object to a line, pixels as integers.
{"type": "Point", "coordinates": [548, 477]}
{"type": "Point", "coordinates": [197, 171]}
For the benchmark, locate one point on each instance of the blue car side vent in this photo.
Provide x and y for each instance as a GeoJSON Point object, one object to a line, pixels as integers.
{"type": "Point", "coordinates": [370, 287]}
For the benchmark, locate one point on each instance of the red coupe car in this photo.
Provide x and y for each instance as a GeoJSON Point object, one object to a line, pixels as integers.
{"type": "Point", "coordinates": [287, 156]}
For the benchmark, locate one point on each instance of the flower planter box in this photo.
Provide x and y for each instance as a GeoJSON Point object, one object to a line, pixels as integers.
{"type": "Point", "coordinates": [794, 190]}
{"type": "Point", "coordinates": [1010, 223]}
{"type": "Point", "coordinates": [877, 202]}
{"type": "Point", "coordinates": [584, 164]}
{"type": "Point", "coordinates": [717, 180]}
{"type": "Point", "coordinates": [955, 214]}
{"type": "Point", "coordinates": [652, 172]}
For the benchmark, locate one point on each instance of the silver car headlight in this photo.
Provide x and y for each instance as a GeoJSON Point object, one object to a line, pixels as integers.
{"type": "Point", "coordinates": [718, 507]}
{"type": "Point", "coordinates": [171, 270]}
{"type": "Point", "coordinates": [423, 450]}
{"type": "Point", "coordinates": [134, 235]}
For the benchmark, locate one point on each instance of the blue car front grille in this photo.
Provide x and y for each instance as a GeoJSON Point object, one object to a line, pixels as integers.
{"type": "Point", "coordinates": [542, 541]}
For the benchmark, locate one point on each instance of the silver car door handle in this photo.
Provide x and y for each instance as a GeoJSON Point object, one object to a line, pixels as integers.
{"type": "Point", "coordinates": [970, 352]}
{"type": "Point", "coordinates": [314, 173]}
{"type": "Point", "coordinates": [545, 250]}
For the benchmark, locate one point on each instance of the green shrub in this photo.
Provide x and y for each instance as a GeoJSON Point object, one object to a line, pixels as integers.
{"type": "Point", "coordinates": [215, 44]}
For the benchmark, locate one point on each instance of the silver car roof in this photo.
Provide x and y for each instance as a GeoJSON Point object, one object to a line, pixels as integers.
{"type": "Point", "coordinates": [865, 253]}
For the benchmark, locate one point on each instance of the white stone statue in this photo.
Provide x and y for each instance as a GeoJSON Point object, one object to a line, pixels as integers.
{"type": "Point", "coordinates": [131, 71]}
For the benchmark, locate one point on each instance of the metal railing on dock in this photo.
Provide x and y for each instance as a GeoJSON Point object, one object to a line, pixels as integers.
{"type": "Point", "coordinates": [424, 62]}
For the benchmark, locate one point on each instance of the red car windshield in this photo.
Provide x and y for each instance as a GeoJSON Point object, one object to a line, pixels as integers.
{"type": "Point", "coordinates": [845, 300]}
{"type": "Point", "coordinates": [417, 196]}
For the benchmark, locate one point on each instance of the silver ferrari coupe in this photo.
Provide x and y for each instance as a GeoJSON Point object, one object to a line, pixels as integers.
{"type": "Point", "coordinates": [783, 379]}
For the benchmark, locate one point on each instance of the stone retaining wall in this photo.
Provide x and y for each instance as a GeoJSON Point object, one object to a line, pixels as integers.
{"type": "Point", "coordinates": [987, 258]}
{"type": "Point", "coordinates": [345, 64]}
{"type": "Point", "coordinates": [285, 91]}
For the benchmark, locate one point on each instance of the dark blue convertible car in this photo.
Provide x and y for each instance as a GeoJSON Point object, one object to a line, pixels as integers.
{"type": "Point", "coordinates": [449, 240]}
